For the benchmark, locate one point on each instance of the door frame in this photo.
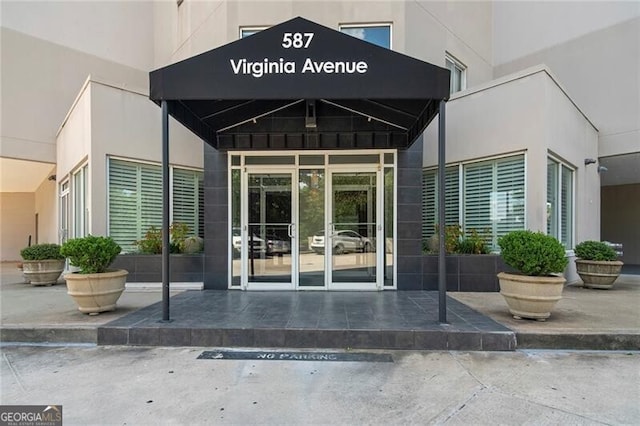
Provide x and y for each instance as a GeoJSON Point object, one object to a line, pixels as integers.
{"type": "Point", "coordinates": [378, 284]}
{"type": "Point", "coordinates": [246, 284]}
{"type": "Point", "coordinates": [388, 159]}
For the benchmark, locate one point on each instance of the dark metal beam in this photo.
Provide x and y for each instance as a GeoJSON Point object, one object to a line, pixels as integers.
{"type": "Point", "coordinates": [165, 212]}
{"type": "Point", "coordinates": [442, 269]}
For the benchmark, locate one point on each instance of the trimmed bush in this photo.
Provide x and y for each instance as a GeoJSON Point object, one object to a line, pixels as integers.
{"type": "Point", "coordinates": [91, 254]}
{"type": "Point", "coordinates": [533, 253]}
{"type": "Point", "coordinates": [595, 250]}
{"type": "Point", "coordinates": [152, 241]}
{"type": "Point", "coordinates": [42, 252]}
{"type": "Point", "coordinates": [472, 243]}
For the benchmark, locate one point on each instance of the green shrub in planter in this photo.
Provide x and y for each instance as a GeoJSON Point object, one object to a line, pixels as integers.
{"type": "Point", "coordinates": [42, 252]}
{"type": "Point", "coordinates": [91, 254]}
{"type": "Point", "coordinates": [595, 250]}
{"type": "Point", "coordinates": [533, 253]}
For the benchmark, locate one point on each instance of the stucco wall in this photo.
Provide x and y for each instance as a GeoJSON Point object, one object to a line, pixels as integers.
{"type": "Point", "coordinates": [74, 138]}
{"type": "Point", "coordinates": [46, 206]}
{"type": "Point", "coordinates": [422, 29]}
{"type": "Point", "coordinates": [127, 124]}
{"type": "Point", "coordinates": [40, 80]}
{"type": "Point", "coordinates": [17, 222]}
{"type": "Point", "coordinates": [463, 29]}
{"type": "Point", "coordinates": [620, 220]}
{"type": "Point", "coordinates": [600, 72]}
{"type": "Point", "coordinates": [522, 28]}
{"type": "Point", "coordinates": [571, 137]}
{"type": "Point", "coordinates": [99, 28]}
{"type": "Point", "coordinates": [495, 121]}
{"type": "Point", "coordinates": [196, 27]}
{"type": "Point", "coordinates": [526, 112]}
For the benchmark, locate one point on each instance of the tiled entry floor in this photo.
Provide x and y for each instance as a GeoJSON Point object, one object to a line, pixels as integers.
{"type": "Point", "coordinates": [362, 320]}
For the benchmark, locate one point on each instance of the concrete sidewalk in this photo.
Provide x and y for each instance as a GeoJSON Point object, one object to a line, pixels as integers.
{"type": "Point", "coordinates": [48, 314]}
{"type": "Point", "coordinates": [583, 319]}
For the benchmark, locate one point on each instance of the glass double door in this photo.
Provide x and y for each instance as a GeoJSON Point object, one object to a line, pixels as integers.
{"type": "Point", "coordinates": [311, 229]}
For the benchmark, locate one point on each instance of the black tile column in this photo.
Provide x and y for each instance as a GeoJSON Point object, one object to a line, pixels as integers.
{"type": "Point", "coordinates": [409, 220]}
{"type": "Point", "coordinates": [216, 246]}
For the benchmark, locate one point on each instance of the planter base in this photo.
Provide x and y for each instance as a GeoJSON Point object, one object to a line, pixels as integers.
{"type": "Point", "coordinates": [95, 293]}
{"type": "Point", "coordinates": [530, 297]}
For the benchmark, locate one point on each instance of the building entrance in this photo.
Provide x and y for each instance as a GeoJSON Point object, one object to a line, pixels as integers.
{"type": "Point", "coordinates": [323, 223]}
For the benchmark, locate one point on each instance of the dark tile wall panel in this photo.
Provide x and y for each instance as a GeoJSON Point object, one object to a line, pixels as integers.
{"type": "Point", "coordinates": [409, 220]}
{"type": "Point", "coordinates": [215, 219]}
{"type": "Point", "coordinates": [146, 268]}
{"type": "Point", "coordinates": [464, 272]}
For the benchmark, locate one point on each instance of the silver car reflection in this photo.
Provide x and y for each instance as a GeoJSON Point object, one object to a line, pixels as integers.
{"type": "Point", "coordinates": [343, 242]}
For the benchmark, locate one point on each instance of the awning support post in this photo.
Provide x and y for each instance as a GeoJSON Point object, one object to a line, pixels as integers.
{"type": "Point", "coordinates": [442, 269]}
{"type": "Point", "coordinates": [165, 212]}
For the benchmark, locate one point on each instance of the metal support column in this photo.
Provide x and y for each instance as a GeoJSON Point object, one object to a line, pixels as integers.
{"type": "Point", "coordinates": [442, 269]}
{"type": "Point", "coordinates": [165, 212]}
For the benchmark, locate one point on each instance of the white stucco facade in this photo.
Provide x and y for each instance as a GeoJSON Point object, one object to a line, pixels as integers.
{"type": "Point", "coordinates": [76, 78]}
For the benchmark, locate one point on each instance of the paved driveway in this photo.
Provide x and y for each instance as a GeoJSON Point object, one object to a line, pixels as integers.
{"type": "Point", "coordinates": [133, 385]}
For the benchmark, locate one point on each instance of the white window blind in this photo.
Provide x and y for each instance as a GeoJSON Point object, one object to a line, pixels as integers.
{"type": "Point", "coordinates": [509, 186]}
{"type": "Point", "coordinates": [478, 189]}
{"type": "Point", "coordinates": [188, 199]}
{"type": "Point", "coordinates": [552, 194]}
{"type": "Point", "coordinates": [560, 202]}
{"type": "Point", "coordinates": [494, 197]}
{"type": "Point", "coordinates": [135, 200]}
{"type": "Point", "coordinates": [430, 199]}
{"type": "Point", "coordinates": [566, 207]}
{"type": "Point", "coordinates": [79, 194]}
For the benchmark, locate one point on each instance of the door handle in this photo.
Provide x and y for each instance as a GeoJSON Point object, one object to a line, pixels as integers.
{"type": "Point", "coordinates": [290, 230]}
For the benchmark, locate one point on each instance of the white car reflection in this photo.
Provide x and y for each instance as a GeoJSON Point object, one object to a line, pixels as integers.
{"type": "Point", "coordinates": [258, 243]}
{"type": "Point", "coordinates": [343, 242]}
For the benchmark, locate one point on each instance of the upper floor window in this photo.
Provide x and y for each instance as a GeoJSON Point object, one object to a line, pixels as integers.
{"type": "Point", "coordinates": [458, 73]}
{"type": "Point", "coordinates": [379, 34]}
{"type": "Point", "coordinates": [247, 31]}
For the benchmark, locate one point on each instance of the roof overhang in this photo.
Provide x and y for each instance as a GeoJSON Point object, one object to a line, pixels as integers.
{"type": "Point", "coordinates": [300, 85]}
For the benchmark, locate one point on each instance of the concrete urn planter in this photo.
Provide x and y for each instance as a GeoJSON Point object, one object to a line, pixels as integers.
{"type": "Point", "coordinates": [95, 293]}
{"type": "Point", "coordinates": [529, 296]}
{"type": "Point", "coordinates": [42, 272]}
{"type": "Point", "coordinates": [598, 273]}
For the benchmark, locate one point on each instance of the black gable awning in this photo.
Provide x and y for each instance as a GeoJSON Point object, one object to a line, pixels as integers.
{"type": "Point", "coordinates": [300, 85]}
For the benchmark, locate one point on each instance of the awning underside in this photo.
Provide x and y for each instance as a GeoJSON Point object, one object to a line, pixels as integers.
{"type": "Point", "coordinates": [305, 124]}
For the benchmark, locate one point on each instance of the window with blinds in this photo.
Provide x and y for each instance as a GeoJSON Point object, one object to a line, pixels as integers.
{"type": "Point", "coordinates": [509, 197]}
{"type": "Point", "coordinates": [188, 199]}
{"type": "Point", "coordinates": [491, 194]}
{"type": "Point", "coordinates": [135, 200]}
{"type": "Point", "coordinates": [79, 194]}
{"type": "Point", "coordinates": [430, 199]}
{"type": "Point", "coordinates": [560, 202]}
